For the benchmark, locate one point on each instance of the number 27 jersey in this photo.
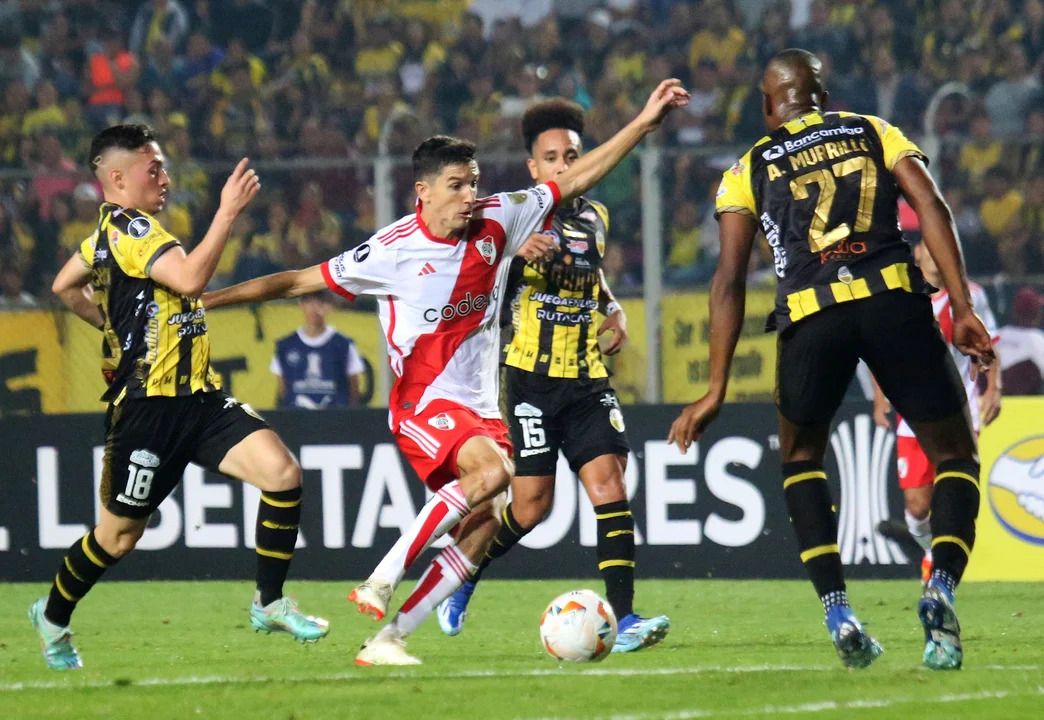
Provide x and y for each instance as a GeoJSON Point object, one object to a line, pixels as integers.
{"type": "Point", "coordinates": [822, 191]}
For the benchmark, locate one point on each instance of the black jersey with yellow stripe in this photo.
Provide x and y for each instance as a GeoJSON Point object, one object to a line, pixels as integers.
{"type": "Point", "coordinates": [547, 313]}
{"type": "Point", "coordinates": [822, 191]}
{"type": "Point", "coordinates": [155, 340]}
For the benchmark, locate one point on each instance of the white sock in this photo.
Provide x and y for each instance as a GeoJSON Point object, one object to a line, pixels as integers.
{"type": "Point", "coordinates": [443, 577]}
{"type": "Point", "coordinates": [442, 513]}
{"type": "Point", "coordinates": [920, 529]}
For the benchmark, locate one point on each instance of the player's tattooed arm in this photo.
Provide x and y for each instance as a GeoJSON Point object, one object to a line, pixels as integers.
{"type": "Point", "coordinates": [289, 284]}
{"type": "Point", "coordinates": [70, 287]}
{"type": "Point", "coordinates": [728, 296]}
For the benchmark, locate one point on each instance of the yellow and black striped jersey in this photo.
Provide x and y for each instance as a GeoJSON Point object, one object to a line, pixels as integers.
{"type": "Point", "coordinates": [155, 340]}
{"type": "Point", "coordinates": [547, 312]}
{"type": "Point", "coordinates": [821, 189]}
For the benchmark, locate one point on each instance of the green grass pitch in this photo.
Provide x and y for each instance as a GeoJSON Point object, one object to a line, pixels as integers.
{"type": "Point", "coordinates": [736, 650]}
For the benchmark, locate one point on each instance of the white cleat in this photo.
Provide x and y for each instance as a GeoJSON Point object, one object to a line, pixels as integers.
{"type": "Point", "coordinates": [372, 598]}
{"type": "Point", "coordinates": [385, 651]}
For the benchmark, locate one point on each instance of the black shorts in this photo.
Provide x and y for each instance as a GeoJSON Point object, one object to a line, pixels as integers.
{"type": "Point", "coordinates": [150, 441]}
{"type": "Point", "coordinates": [896, 334]}
{"type": "Point", "coordinates": [581, 417]}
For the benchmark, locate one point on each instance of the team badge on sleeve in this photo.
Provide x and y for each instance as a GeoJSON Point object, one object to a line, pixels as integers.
{"type": "Point", "coordinates": [139, 228]}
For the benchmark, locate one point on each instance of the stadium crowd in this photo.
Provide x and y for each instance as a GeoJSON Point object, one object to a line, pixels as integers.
{"type": "Point", "coordinates": [315, 83]}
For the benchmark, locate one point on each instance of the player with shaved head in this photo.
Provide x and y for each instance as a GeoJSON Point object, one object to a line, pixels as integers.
{"type": "Point", "coordinates": [166, 407]}
{"type": "Point", "coordinates": [823, 187]}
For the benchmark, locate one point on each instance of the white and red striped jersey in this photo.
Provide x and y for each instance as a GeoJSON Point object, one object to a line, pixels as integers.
{"type": "Point", "coordinates": [944, 314]}
{"type": "Point", "coordinates": [438, 298]}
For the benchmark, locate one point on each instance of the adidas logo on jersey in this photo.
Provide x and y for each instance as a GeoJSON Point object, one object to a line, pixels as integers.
{"type": "Point", "coordinates": [426, 270]}
{"type": "Point", "coordinates": [527, 410]}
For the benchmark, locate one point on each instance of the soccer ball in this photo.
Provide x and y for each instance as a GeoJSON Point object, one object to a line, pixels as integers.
{"type": "Point", "coordinates": [578, 626]}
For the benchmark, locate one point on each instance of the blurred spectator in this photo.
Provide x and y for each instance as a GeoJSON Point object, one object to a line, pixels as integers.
{"type": "Point", "coordinates": [82, 221]}
{"type": "Point", "coordinates": [248, 20]}
{"type": "Point", "coordinates": [1010, 98]}
{"type": "Point", "coordinates": [158, 20]}
{"type": "Point", "coordinates": [16, 244]}
{"type": "Point", "coordinates": [719, 40]}
{"type": "Point", "coordinates": [239, 117]}
{"type": "Point", "coordinates": [892, 95]}
{"type": "Point", "coordinates": [1001, 206]}
{"type": "Point", "coordinates": [17, 64]}
{"type": "Point", "coordinates": [60, 55]}
{"type": "Point", "coordinates": [107, 75]}
{"type": "Point", "coordinates": [1021, 346]}
{"type": "Point", "coordinates": [192, 74]}
{"type": "Point", "coordinates": [982, 152]}
{"type": "Point", "coordinates": [688, 261]}
{"type": "Point", "coordinates": [12, 289]}
{"type": "Point", "coordinates": [621, 280]}
{"type": "Point", "coordinates": [12, 117]}
{"type": "Point", "coordinates": [317, 366]}
{"type": "Point", "coordinates": [188, 181]}
{"type": "Point", "coordinates": [705, 102]}
{"type": "Point", "coordinates": [950, 32]}
{"type": "Point", "coordinates": [422, 55]}
{"type": "Point", "coordinates": [1031, 29]}
{"type": "Point", "coordinates": [380, 53]}
{"type": "Point", "coordinates": [162, 70]}
{"type": "Point", "coordinates": [275, 244]}
{"type": "Point", "coordinates": [315, 231]}
{"type": "Point", "coordinates": [822, 35]}
{"type": "Point", "coordinates": [54, 172]}
{"type": "Point", "coordinates": [47, 114]}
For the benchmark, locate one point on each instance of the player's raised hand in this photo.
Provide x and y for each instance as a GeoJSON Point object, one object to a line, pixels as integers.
{"type": "Point", "coordinates": [668, 95]}
{"type": "Point", "coordinates": [240, 188]}
{"type": "Point", "coordinates": [693, 422]}
{"type": "Point", "coordinates": [539, 246]}
{"type": "Point", "coordinates": [616, 323]}
{"type": "Point", "coordinates": [972, 338]}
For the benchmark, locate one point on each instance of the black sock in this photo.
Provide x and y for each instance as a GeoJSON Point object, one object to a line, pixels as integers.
{"type": "Point", "coordinates": [278, 515]}
{"type": "Point", "coordinates": [815, 523]}
{"type": "Point", "coordinates": [616, 554]}
{"type": "Point", "coordinates": [507, 537]}
{"type": "Point", "coordinates": [82, 567]}
{"type": "Point", "coordinates": [955, 505]}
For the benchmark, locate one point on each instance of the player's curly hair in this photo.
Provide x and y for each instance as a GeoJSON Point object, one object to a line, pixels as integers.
{"type": "Point", "coordinates": [124, 137]}
{"type": "Point", "coordinates": [553, 114]}
{"type": "Point", "coordinates": [439, 151]}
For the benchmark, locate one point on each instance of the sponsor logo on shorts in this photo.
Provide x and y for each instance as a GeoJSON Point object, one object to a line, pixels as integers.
{"type": "Point", "coordinates": [609, 400]}
{"type": "Point", "coordinates": [1015, 488]}
{"type": "Point", "coordinates": [526, 452]}
{"type": "Point", "coordinates": [145, 458]}
{"type": "Point", "coordinates": [616, 419]}
{"type": "Point", "coordinates": [903, 466]}
{"type": "Point", "coordinates": [527, 410]}
{"type": "Point", "coordinates": [844, 275]}
{"type": "Point", "coordinates": [442, 421]}
{"type": "Point", "coordinates": [130, 501]}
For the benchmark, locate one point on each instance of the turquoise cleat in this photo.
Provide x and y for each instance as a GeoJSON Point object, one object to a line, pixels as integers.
{"type": "Point", "coordinates": [453, 611]}
{"type": "Point", "coordinates": [55, 641]}
{"type": "Point", "coordinates": [635, 632]}
{"type": "Point", "coordinates": [942, 632]}
{"type": "Point", "coordinates": [284, 616]}
{"type": "Point", "coordinates": [854, 646]}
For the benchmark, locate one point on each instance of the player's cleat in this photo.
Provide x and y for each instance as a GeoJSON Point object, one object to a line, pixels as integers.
{"type": "Point", "coordinates": [283, 615]}
{"type": "Point", "coordinates": [372, 598]}
{"type": "Point", "coordinates": [854, 646]}
{"type": "Point", "coordinates": [895, 530]}
{"type": "Point", "coordinates": [55, 640]}
{"type": "Point", "coordinates": [926, 569]}
{"type": "Point", "coordinates": [385, 651]}
{"type": "Point", "coordinates": [453, 611]}
{"type": "Point", "coordinates": [635, 632]}
{"type": "Point", "coordinates": [942, 632]}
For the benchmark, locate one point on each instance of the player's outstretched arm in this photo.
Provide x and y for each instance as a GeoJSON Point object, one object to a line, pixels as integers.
{"type": "Point", "coordinates": [189, 274]}
{"type": "Point", "coordinates": [593, 166]}
{"type": "Point", "coordinates": [68, 287]}
{"type": "Point", "coordinates": [728, 297]}
{"type": "Point", "coordinates": [289, 284]}
{"type": "Point", "coordinates": [940, 237]}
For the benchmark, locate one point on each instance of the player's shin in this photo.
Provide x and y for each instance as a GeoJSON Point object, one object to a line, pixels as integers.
{"type": "Point", "coordinates": [616, 554]}
{"type": "Point", "coordinates": [447, 572]}
{"type": "Point", "coordinates": [81, 568]}
{"type": "Point", "coordinates": [955, 505]}
{"type": "Point", "coordinates": [447, 507]}
{"type": "Point", "coordinates": [278, 517]}
{"type": "Point", "coordinates": [815, 524]}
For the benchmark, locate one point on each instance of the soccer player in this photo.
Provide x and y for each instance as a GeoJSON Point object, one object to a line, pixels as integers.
{"type": "Point", "coordinates": [317, 366]}
{"type": "Point", "coordinates": [557, 391]}
{"type": "Point", "coordinates": [166, 408]}
{"type": "Point", "coordinates": [916, 474]}
{"type": "Point", "coordinates": [824, 188]}
{"type": "Point", "coordinates": [437, 275]}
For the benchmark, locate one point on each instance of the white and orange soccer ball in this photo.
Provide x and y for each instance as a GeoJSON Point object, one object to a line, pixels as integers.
{"type": "Point", "coordinates": [578, 626]}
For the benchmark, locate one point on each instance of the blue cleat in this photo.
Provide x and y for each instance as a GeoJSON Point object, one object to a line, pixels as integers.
{"type": "Point", "coordinates": [453, 611]}
{"type": "Point", "coordinates": [854, 646]}
{"type": "Point", "coordinates": [634, 632]}
{"type": "Point", "coordinates": [942, 632]}
{"type": "Point", "coordinates": [283, 615]}
{"type": "Point", "coordinates": [55, 641]}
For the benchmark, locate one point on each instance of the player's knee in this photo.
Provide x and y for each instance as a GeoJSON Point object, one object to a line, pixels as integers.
{"type": "Point", "coordinates": [118, 543]}
{"type": "Point", "coordinates": [494, 474]}
{"type": "Point", "coordinates": [919, 507]}
{"type": "Point", "coordinates": [284, 475]}
{"type": "Point", "coordinates": [532, 510]}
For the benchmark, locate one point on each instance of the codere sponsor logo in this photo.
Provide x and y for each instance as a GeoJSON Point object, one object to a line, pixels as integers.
{"type": "Point", "coordinates": [1015, 489]}
{"type": "Point", "coordinates": [464, 307]}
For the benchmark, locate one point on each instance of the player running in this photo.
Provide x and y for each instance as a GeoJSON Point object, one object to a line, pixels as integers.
{"type": "Point", "coordinates": [557, 391]}
{"type": "Point", "coordinates": [166, 407]}
{"type": "Point", "coordinates": [916, 474]}
{"type": "Point", "coordinates": [437, 275]}
{"type": "Point", "coordinates": [824, 187]}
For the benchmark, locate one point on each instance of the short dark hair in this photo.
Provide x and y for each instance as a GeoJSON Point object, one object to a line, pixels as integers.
{"type": "Point", "coordinates": [124, 137]}
{"type": "Point", "coordinates": [553, 114]}
{"type": "Point", "coordinates": [439, 151]}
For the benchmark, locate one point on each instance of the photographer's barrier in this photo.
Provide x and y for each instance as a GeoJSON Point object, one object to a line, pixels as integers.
{"type": "Point", "coordinates": [715, 512]}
